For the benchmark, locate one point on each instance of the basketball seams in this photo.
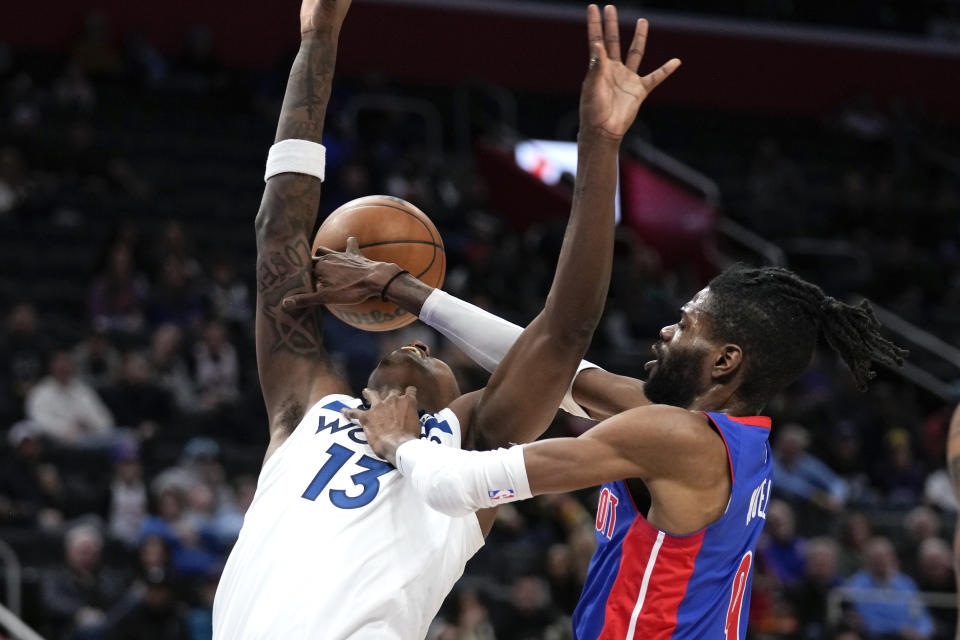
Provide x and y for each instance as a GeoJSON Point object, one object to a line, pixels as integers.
{"type": "Point", "coordinates": [365, 218]}
{"type": "Point", "coordinates": [395, 207]}
{"type": "Point", "coordinates": [407, 212]}
{"type": "Point", "coordinates": [427, 269]}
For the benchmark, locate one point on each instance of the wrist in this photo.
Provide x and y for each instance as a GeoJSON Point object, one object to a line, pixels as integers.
{"type": "Point", "coordinates": [391, 444]}
{"type": "Point", "coordinates": [325, 34]}
{"type": "Point", "coordinates": [597, 137]}
{"type": "Point", "coordinates": [383, 278]}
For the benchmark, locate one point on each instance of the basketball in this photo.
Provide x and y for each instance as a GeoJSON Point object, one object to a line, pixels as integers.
{"type": "Point", "coordinates": [387, 229]}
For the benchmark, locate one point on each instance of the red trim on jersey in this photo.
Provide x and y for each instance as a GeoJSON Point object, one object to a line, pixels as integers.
{"type": "Point", "coordinates": [752, 421]}
{"type": "Point", "coordinates": [666, 588]}
{"type": "Point", "coordinates": [633, 503]}
{"type": "Point", "coordinates": [725, 446]}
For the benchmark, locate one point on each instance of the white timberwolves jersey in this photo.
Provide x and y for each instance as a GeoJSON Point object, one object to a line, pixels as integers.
{"type": "Point", "coordinates": [337, 544]}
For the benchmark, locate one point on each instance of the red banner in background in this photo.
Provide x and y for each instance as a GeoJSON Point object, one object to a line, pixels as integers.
{"type": "Point", "coordinates": [669, 217]}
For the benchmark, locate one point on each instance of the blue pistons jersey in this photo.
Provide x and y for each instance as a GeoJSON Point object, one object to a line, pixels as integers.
{"type": "Point", "coordinates": [645, 583]}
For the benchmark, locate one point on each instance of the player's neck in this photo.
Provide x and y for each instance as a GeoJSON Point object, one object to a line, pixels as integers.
{"type": "Point", "coordinates": [724, 399]}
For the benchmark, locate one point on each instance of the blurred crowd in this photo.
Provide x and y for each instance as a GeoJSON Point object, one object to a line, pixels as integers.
{"type": "Point", "coordinates": [132, 427]}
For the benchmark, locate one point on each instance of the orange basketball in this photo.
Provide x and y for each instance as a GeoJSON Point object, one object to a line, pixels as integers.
{"type": "Point", "coordinates": [388, 229]}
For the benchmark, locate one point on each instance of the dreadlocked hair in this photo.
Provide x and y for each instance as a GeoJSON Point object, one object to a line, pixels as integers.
{"type": "Point", "coordinates": [776, 317]}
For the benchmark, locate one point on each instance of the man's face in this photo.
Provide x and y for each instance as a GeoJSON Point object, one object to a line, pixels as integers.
{"type": "Point", "coordinates": [681, 371]}
{"type": "Point", "coordinates": [412, 365]}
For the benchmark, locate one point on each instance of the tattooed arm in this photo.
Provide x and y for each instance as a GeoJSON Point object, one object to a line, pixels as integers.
{"type": "Point", "coordinates": [953, 466]}
{"type": "Point", "coordinates": [294, 368]}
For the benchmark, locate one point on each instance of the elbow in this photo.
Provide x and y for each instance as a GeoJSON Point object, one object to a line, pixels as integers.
{"type": "Point", "coordinates": [263, 222]}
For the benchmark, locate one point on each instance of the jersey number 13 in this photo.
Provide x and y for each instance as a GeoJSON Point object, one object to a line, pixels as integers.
{"type": "Point", "coordinates": [369, 479]}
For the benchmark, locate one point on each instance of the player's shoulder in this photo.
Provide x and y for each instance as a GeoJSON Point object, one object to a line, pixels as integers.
{"type": "Point", "coordinates": [668, 428]}
{"type": "Point", "coordinates": [676, 421]}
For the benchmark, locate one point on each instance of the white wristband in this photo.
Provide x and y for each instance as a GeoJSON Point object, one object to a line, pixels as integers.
{"type": "Point", "coordinates": [457, 482]}
{"type": "Point", "coordinates": [296, 156]}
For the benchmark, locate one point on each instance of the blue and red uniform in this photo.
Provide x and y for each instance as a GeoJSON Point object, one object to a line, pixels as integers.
{"type": "Point", "coordinates": [645, 583]}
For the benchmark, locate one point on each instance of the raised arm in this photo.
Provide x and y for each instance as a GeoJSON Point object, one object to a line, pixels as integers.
{"type": "Point", "coordinates": [521, 398]}
{"type": "Point", "coordinates": [293, 365]}
{"type": "Point", "coordinates": [537, 365]}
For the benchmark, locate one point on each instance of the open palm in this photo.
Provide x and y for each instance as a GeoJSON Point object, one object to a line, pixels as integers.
{"type": "Point", "coordinates": [613, 90]}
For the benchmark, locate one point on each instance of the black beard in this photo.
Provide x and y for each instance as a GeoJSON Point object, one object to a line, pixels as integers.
{"type": "Point", "coordinates": [674, 379]}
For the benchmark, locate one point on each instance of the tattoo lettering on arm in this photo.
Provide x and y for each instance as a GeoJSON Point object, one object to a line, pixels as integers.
{"type": "Point", "coordinates": [279, 274]}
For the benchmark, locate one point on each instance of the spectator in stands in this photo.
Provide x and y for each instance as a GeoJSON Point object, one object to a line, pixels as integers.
{"type": "Point", "coordinates": [780, 547]}
{"type": "Point", "coordinates": [470, 621]}
{"type": "Point", "coordinates": [899, 475]}
{"type": "Point", "coordinates": [77, 595]}
{"type": "Point", "coordinates": [190, 553]}
{"type": "Point", "coordinates": [229, 296]}
{"type": "Point", "coordinates": [809, 596]}
{"type": "Point", "coordinates": [174, 300]}
{"type": "Point", "coordinates": [565, 585]}
{"type": "Point", "coordinates": [175, 245]}
{"type": "Point", "coordinates": [30, 489]}
{"type": "Point", "coordinates": [855, 534]}
{"type": "Point", "coordinates": [96, 359]}
{"type": "Point", "coordinates": [118, 295]}
{"type": "Point", "coordinates": [136, 399]}
{"type": "Point", "coordinates": [921, 524]}
{"type": "Point", "coordinates": [890, 607]}
{"type": "Point", "coordinates": [128, 496]}
{"type": "Point", "coordinates": [228, 519]}
{"type": "Point", "coordinates": [935, 574]}
{"type": "Point", "coordinates": [217, 369]}
{"type": "Point", "coordinates": [529, 612]}
{"type": "Point", "coordinates": [69, 411]}
{"type": "Point", "coordinates": [150, 611]}
{"type": "Point", "coordinates": [199, 462]}
{"type": "Point", "coordinates": [800, 477]}
{"type": "Point", "coordinates": [171, 367]}
{"type": "Point", "coordinates": [24, 352]}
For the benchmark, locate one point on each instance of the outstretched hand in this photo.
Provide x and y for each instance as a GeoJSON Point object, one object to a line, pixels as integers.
{"type": "Point", "coordinates": [390, 421]}
{"type": "Point", "coordinates": [613, 90]}
{"type": "Point", "coordinates": [343, 277]}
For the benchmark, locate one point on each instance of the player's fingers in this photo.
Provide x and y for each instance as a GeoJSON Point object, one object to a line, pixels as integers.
{"type": "Point", "coordinates": [651, 80]}
{"type": "Point", "coordinates": [352, 414]}
{"type": "Point", "coordinates": [637, 47]}
{"type": "Point", "coordinates": [594, 27]}
{"type": "Point", "coordinates": [353, 245]}
{"type": "Point", "coordinates": [611, 32]}
{"type": "Point", "coordinates": [371, 396]}
{"type": "Point", "coordinates": [321, 251]}
{"type": "Point", "coordinates": [302, 300]}
{"type": "Point", "coordinates": [597, 55]}
{"type": "Point", "coordinates": [410, 392]}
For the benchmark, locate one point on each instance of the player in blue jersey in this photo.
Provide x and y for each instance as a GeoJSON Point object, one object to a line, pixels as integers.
{"type": "Point", "coordinates": [691, 436]}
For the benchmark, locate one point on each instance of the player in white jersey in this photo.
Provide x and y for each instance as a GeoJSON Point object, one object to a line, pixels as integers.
{"type": "Point", "coordinates": [336, 544]}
